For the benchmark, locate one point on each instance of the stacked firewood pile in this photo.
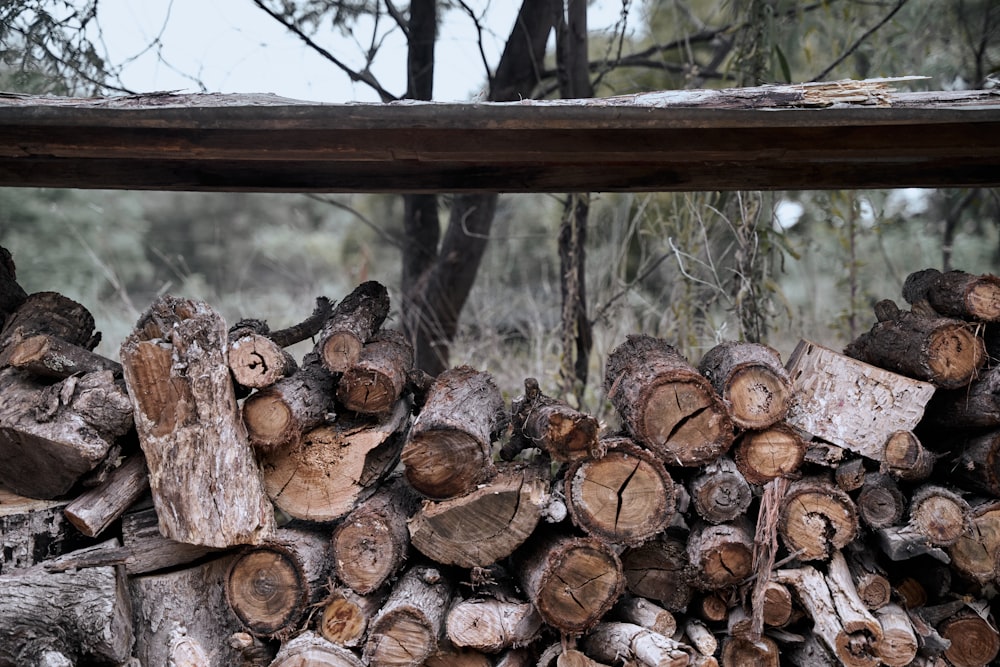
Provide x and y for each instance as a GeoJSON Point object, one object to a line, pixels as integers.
{"type": "Point", "coordinates": [210, 500]}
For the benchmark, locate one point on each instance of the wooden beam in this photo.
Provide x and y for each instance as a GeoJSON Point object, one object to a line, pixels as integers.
{"type": "Point", "coordinates": [809, 136]}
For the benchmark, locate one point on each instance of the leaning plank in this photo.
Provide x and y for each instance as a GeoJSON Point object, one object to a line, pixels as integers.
{"type": "Point", "coordinates": [205, 481]}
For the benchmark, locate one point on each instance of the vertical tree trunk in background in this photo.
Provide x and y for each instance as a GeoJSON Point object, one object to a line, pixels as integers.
{"type": "Point", "coordinates": [12, 294]}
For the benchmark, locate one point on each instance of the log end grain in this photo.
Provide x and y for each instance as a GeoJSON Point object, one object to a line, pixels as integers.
{"type": "Point", "coordinates": [445, 463]}
{"type": "Point", "coordinates": [367, 391]}
{"type": "Point", "coordinates": [816, 519]}
{"type": "Point", "coordinates": [770, 453]}
{"type": "Point", "coordinates": [758, 397]}
{"type": "Point", "coordinates": [686, 422]}
{"type": "Point", "coordinates": [266, 589]}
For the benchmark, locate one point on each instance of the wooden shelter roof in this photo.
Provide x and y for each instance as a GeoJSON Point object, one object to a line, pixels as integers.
{"type": "Point", "coordinates": [849, 134]}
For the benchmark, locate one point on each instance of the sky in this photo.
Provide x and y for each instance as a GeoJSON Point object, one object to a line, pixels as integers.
{"type": "Point", "coordinates": [232, 46]}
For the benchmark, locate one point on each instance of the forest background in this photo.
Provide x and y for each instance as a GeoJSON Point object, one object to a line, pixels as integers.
{"type": "Point", "coordinates": [692, 268]}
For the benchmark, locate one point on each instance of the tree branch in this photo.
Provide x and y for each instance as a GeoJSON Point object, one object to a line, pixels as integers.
{"type": "Point", "coordinates": [854, 47]}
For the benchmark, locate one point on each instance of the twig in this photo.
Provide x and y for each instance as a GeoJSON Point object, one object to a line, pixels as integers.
{"type": "Point", "coordinates": [860, 40]}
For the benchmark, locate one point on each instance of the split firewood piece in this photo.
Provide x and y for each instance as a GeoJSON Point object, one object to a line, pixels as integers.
{"type": "Point", "coordinates": [52, 435]}
{"type": "Point", "coordinates": [12, 294]}
{"type": "Point", "coordinates": [870, 579]}
{"type": "Point", "coordinates": [644, 612]}
{"type": "Point", "coordinates": [660, 570]}
{"type": "Point", "coordinates": [149, 551]}
{"type": "Point", "coordinates": [614, 641]}
{"type": "Point", "coordinates": [899, 641]}
{"type": "Point", "coordinates": [903, 542]}
{"type": "Point", "coordinates": [957, 294]}
{"type": "Point", "coordinates": [65, 618]}
{"type": "Point", "coordinates": [769, 453]}
{"type": "Point", "coordinates": [51, 357]}
{"type": "Point", "coordinates": [839, 617]}
{"type": "Point", "coordinates": [205, 481]}
{"type": "Point", "coordinates": [625, 497]}
{"type": "Point", "coordinates": [778, 604]}
{"type": "Point", "coordinates": [939, 514]}
{"type": "Point", "coordinates": [270, 586]}
{"type": "Point", "coordinates": [666, 404]}
{"type": "Point", "coordinates": [372, 543]}
{"type": "Point", "coordinates": [973, 637]}
{"type": "Point", "coordinates": [700, 637]}
{"type": "Point", "coordinates": [738, 648]}
{"type": "Point", "coordinates": [850, 474]}
{"type": "Point", "coordinates": [719, 492]}
{"type": "Point", "coordinates": [280, 415]}
{"type": "Point", "coordinates": [751, 381]}
{"type": "Point", "coordinates": [32, 531]}
{"type": "Point", "coordinates": [334, 467]}
{"type": "Point", "coordinates": [312, 650]}
{"type": "Point", "coordinates": [975, 553]}
{"type": "Point", "coordinates": [52, 314]}
{"type": "Point", "coordinates": [722, 555]}
{"type": "Point", "coordinates": [552, 425]}
{"type": "Point", "coordinates": [448, 451]}
{"type": "Point", "coordinates": [405, 632]}
{"type": "Point", "coordinates": [253, 651]}
{"type": "Point", "coordinates": [94, 510]}
{"type": "Point", "coordinates": [485, 525]}
{"type": "Point", "coordinates": [353, 321]}
{"type": "Point", "coordinates": [850, 403]}
{"type": "Point", "coordinates": [906, 458]}
{"type": "Point", "coordinates": [945, 352]}
{"type": "Point", "coordinates": [491, 625]}
{"type": "Point", "coordinates": [974, 464]}
{"type": "Point", "coordinates": [374, 382]}
{"type": "Point", "coordinates": [346, 615]}
{"type": "Point", "coordinates": [181, 617]}
{"type": "Point", "coordinates": [572, 581]}
{"type": "Point", "coordinates": [816, 519]}
{"type": "Point", "coordinates": [880, 503]}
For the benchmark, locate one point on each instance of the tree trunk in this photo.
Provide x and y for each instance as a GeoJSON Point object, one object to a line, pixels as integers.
{"type": "Point", "coordinates": [448, 451]}
{"type": "Point", "coordinates": [492, 625]}
{"type": "Point", "coordinates": [660, 570]}
{"type": "Point", "coordinates": [954, 294]}
{"type": "Point", "coordinates": [373, 383]}
{"type": "Point", "coordinates": [351, 324]}
{"type": "Point", "coordinates": [312, 650]}
{"type": "Point", "coordinates": [334, 467]}
{"type": "Point", "coordinates": [773, 452]}
{"type": "Point", "coordinates": [665, 403]}
{"type": "Point", "coordinates": [614, 641]}
{"type": "Point", "coordinates": [751, 381]}
{"type": "Point", "coordinates": [94, 510]}
{"type": "Point", "coordinates": [625, 497]}
{"type": "Point", "coordinates": [485, 525]}
{"type": "Point", "coordinates": [816, 519]}
{"type": "Point", "coordinates": [540, 421]}
{"type": "Point", "coordinates": [205, 480]}
{"type": "Point", "coordinates": [719, 492]}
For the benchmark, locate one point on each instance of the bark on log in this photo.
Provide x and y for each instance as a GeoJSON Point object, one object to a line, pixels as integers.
{"type": "Point", "coordinates": [52, 314]}
{"type": "Point", "coordinates": [778, 606]}
{"type": "Point", "coordinates": [572, 581]}
{"type": "Point", "coordinates": [719, 492]}
{"type": "Point", "coordinates": [665, 403]}
{"type": "Point", "coordinates": [279, 416]}
{"type": "Point", "coordinates": [722, 555]}
{"type": "Point", "coordinates": [62, 618]}
{"type": "Point", "coordinates": [406, 630]}
{"type": "Point", "coordinates": [50, 357]}
{"type": "Point", "coordinates": [94, 510]}
{"type": "Point", "coordinates": [816, 519]}
{"type": "Point", "coordinates": [334, 467]}
{"type": "Point", "coordinates": [541, 421]}
{"type": "Point", "coordinates": [939, 514]}
{"type": "Point", "coordinates": [149, 551]}
{"type": "Point", "coordinates": [353, 321]}
{"type": "Point", "coordinates": [956, 294]}
{"type": "Point", "coordinates": [625, 497]}
{"type": "Point", "coordinates": [975, 553]}
{"type": "Point", "coordinates": [346, 615]}
{"type": "Point", "coordinates": [312, 650]}
{"type": "Point", "coordinates": [899, 641]}
{"type": "Point", "coordinates": [615, 641]}
{"type": "Point", "coordinates": [373, 383]}
{"type": "Point", "coordinates": [903, 543]}
{"type": "Point", "coordinates": [773, 452]}
{"type": "Point", "coordinates": [942, 351]}
{"type": "Point", "coordinates": [849, 403]}
{"type": "Point", "coordinates": [974, 639]}
{"type": "Point", "coordinates": [870, 579]}
{"type": "Point", "coordinates": [448, 451]}
{"type": "Point", "coordinates": [976, 462]}
{"type": "Point", "coordinates": [646, 613]}
{"type": "Point", "coordinates": [739, 649]}
{"type": "Point", "coordinates": [492, 625]}
{"type": "Point", "coordinates": [12, 294]}
{"type": "Point", "coordinates": [485, 525]}
{"type": "Point", "coordinates": [880, 503]}
{"type": "Point", "coordinates": [976, 406]}
{"type": "Point", "coordinates": [33, 531]}
{"type": "Point", "coordinates": [51, 435]}
{"type": "Point", "coordinates": [372, 543]}
{"type": "Point", "coordinates": [660, 570]}
{"type": "Point", "coordinates": [271, 586]}
{"type": "Point", "coordinates": [906, 458]}
{"type": "Point", "coordinates": [205, 481]}
{"type": "Point", "coordinates": [850, 475]}
{"type": "Point", "coordinates": [811, 652]}
{"type": "Point", "coordinates": [751, 381]}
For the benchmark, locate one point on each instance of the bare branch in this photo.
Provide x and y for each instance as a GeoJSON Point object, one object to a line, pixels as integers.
{"type": "Point", "coordinates": [398, 17]}
{"type": "Point", "coordinates": [479, 41]}
{"type": "Point", "coordinates": [854, 47]}
{"type": "Point", "coordinates": [382, 234]}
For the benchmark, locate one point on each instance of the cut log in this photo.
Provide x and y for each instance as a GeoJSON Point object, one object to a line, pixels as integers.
{"type": "Point", "coordinates": [769, 453]}
{"type": "Point", "coordinates": [899, 641]}
{"type": "Point", "coordinates": [644, 612]}
{"type": "Point", "coordinates": [666, 404]}
{"type": "Point", "coordinates": [33, 531]}
{"type": "Point", "coordinates": [492, 625]}
{"type": "Point", "coordinates": [270, 587]}
{"type": "Point", "coordinates": [974, 639]}
{"type": "Point", "coordinates": [957, 294]}
{"type": "Point", "coordinates": [373, 383]}
{"type": "Point", "coordinates": [700, 637]}
{"type": "Point", "coordinates": [62, 618]}
{"type": "Point", "coordinates": [976, 406]}
{"type": "Point", "coordinates": [94, 510]}
{"type": "Point", "coordinates": [346, 615]}
{"type": "Point", "coordinates": [252, 650]}
{"type": "Point", "coordinates": [816, 519]}
{"type": "Point", "coordinates": [939, 514]}
{"type": "Point", "coordinates": [660, 570]}
{"type": "Point", "coordinates": [52, 314]}
{"type": "Point", "coordinates": [850, 403]}
{"type": "Point", "coordinates": [975, 553]}
{"type": "Point", "coordinates": [353, 321]}
{"type": "Point", "coordinates": [12, 294]}
{"type": "Point", "coordinates": [976, 463]}
{"type": "Point", "coordinates": [719, 492]}
{"type": "Point", "coordinates": [448, 451]}
{"type": "Point", "coordinates": [279, 416]}
{"type": "Point", "coordinates": [372, 543]}
{"type": "Point", "coordinates": [778, 606]}
{"type": "Point", "coordinates": [312, 650]}
{"type": "Point", "coordinates": [751, 381]}
{"type": "Point", "coordinates": [406, 630]}
{"type": "Point", "coordinates": [47, 356]}
{"type": "Point", "coordinates": [51, 435]}
{"type": "Point", "coordinates": [614, 641]}
{"type": "Point", "coordinates": [552, 425]}
{"type": "Point", "coordinates": [722, 555]}
{"type": "Point", "coordinates": [738, 648]}
{"type": "Point", "coordinates": [625, 497]}
{"type": "Point", "coordinates": [945, 352]}
{"type": "Point", "coordinates": [334, 467]}
{"type": "Point", "coordinates": [149, 551]}
{"type": "Point", "coordinates": [485, 525]}
{"type": "Point", "coordinates": [880, 503]}
{"type": "Point", "coordinates": [205, 481]}
{"type": "Point", "coordinates": [906, 458]}
{"type": "Point", "coordinates": [850, 475]}
{"type": "Point", "coordinates": [870, 579]}
{"type": "Point", "coordinates": [903, 542]}
{"type": "Point", "coordinates": [572, 581]}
